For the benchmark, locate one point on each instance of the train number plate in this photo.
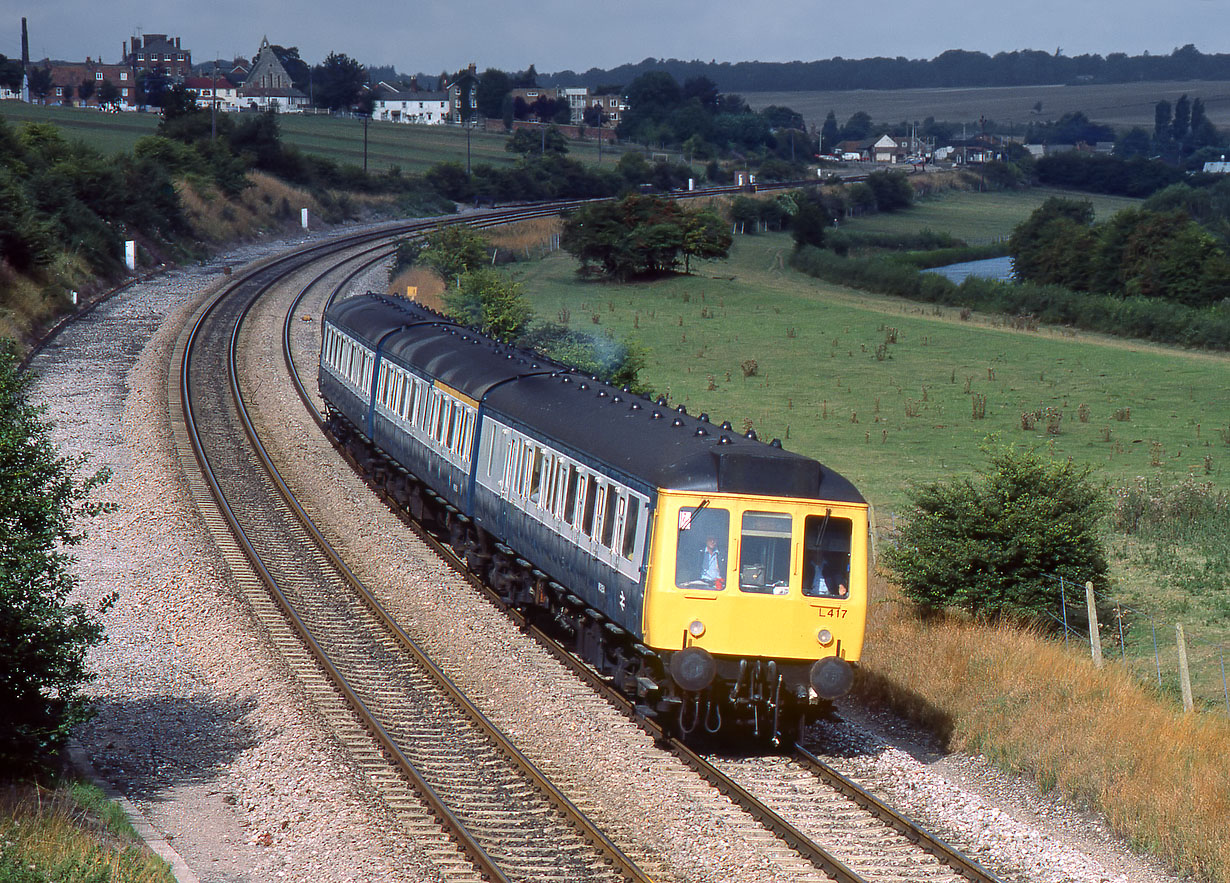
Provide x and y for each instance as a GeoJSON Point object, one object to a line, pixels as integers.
{"type": "Point", "coordinates": [832, 612]}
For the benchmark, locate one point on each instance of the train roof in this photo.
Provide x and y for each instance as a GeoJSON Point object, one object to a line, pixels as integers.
{"type": "Point", "coordinates": [663, 446]}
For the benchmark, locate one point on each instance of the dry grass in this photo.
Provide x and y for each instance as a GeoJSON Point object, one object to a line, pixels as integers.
{"type": "Point", "coordinates": [532, 236]}
{"type": "Point", "coordinates": [430, 288]}
{"type": "Point", "coordinates": [1099, 736]}
{"type": "Point", "coordinates": [269, 204]}
{"type": "Point", "coordinates": [48, 835]}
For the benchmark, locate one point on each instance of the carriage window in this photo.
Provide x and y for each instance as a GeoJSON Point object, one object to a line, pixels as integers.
{"type": "Point", "coordinates": [495, 456]}
{"type": "Point", "coordinates": [826, 562]}
{"type": "Point", "coordinates": [613, 499]}
{"type": "Point", "coordinates": [591, 499]}
{"type": "Point", "coordinates": [570, 502]}
{"type": "Point", "coordinates": [536, 472]}
{"type": "Point", "coordinates": [700, 554]}
{"type": "Point", "coordinates": [630, 525]}
{"type": "Point", "coordinates": [764, 553]}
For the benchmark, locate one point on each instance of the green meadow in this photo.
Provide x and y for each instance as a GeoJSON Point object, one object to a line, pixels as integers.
{"type": "Point", "coordinates": [412, 148]}
{"type": "Point", "coordinates": [890, 392]}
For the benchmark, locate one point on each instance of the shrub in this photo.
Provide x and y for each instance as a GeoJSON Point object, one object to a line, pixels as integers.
{"type": "Point", "coordinates": [43, 637]}
{"type": "Point", "coordinates": [994, 545]}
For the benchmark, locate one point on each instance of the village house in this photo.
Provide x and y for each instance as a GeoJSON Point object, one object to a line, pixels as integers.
{"type": "Point", "coordinates": [214, 91]}
{"type": "Point", "coordinates": [81, 85]}
{"type": "Point", "coordinates": [422, 108]}
{"type": "Point", "coordinates": [157, 53]}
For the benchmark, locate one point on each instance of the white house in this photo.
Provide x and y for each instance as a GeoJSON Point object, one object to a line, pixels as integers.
{"type": "Point", "coordinates": [424, 108]}
{"type": "Point", "coordinates": [214, 91]}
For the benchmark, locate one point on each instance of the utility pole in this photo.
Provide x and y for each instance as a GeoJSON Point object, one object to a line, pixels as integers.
{"type": "Point", "coordinates": [213, 94]}
{"type": "Point", "coordinates": [366, 119]}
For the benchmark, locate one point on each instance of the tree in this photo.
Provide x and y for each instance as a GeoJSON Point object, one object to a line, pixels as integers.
{"type": "Point", "coordinates": [641, 235]}
{"type": "Point", "coordinates": [11, 72]}
{"type": "Point", "coordinates": [39, 79]}
{"type": "Point", "coordinates": [1162, 117]}
{"type": "Point", "coordinates": [296, 68]}
{"type": "Point", "coordinates": [493, 86]}
{"type": "Point", "coordinates": [829, 134]}
{"type": "Point", "coordinates": [996, 545]}
{"type": "Point", "coordinates": [43, 637]}
{"type": "Point", "coordinates": [338, 82]}
{"type": "Point", "coordinates": [808, 225]}
{"type": "Point", "coordinates": [490, 301]}
{"type": "Point", "coordinates": [453, 250]}
{"type": "Point", "coordinates": [1182, 118]}
{"type": "Point", "coordinates": [86, 89]}
{"type": "Point", "coordinates": [108, 94]}
{"type": "Point", "coordinates": [548, 140]}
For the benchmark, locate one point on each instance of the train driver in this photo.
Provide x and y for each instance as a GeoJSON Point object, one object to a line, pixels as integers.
{"type": "Point", "coordinates": [828, 577]}
{"type": "Point", "coordinates": [712, 563]}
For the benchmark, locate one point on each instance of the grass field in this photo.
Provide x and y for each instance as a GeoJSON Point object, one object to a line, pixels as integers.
{"type": "Point", "coordinates": [977, 218]}
{"type": "Point", "coordinates": [884, 390]}
{"type": "Point", "coordinates": [1121, 105]}
{"type": "Point", "coordinates": [414, 148]}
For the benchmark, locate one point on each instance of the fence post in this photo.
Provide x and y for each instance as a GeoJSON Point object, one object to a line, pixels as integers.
{"type": "Point", "coordinates": [1185, 677]}
{"type": "Point", "coordinates": [1095, 636]}
{"type": "Point", "coordinates": [1157, 657]}
{"type": "Point", "coordinates": [1063, 608]}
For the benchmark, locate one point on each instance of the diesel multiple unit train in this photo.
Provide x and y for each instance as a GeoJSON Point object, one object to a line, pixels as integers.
{"type": "Point", "coordinates": [719, 580]}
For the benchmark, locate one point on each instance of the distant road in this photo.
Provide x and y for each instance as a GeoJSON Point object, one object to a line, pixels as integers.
{"type": "Point", "coordinates": [1121, 104]}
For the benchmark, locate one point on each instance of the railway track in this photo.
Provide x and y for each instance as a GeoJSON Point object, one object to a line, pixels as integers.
{"type": "Point", "coordinates": [801, 800]}
{"type": "Point", "coordinates": [401, 709]}
{"type": "Point", "coordinates": [430, 749]}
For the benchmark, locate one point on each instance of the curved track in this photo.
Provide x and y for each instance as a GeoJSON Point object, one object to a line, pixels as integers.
{"type": "Point", "coordinates": [510, 822]}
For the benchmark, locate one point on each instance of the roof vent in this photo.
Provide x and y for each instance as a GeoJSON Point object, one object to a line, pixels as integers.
{"type": "Point", "coordinates": [661, 400]}
{"type": "Point", "coordinates": [681, 410]}
{"type": "Point", "coordinates": [726, 425]}
{"type": "Point", "coordinates": [751, 433]}
{"type": "Point", "coordinates": [776, 443]}
{"type": "Point", "coordinates": [602, 393]}
{"type": "Point", "coordinates": [636, 406]}
{"type": "Point", "coordinates": [678, 421]}
{"type": "Point", "coordinates": [725, 440]}
{"type": "Point", "coordinates": [656, 415]}
{"type": "Point", "coordinates": [700, 431]}
{"type": "Point", "coordinates": [703, 418]}
{"type": "Point", "coordinates": [583, 385]}
{"type": "Point", "coordinates": [566, 379]}
{"type": "Point", "coordinates": [617, 398]}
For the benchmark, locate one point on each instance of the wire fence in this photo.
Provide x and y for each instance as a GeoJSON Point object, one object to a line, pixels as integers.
{"type": "Point", "coordinates": [1175, 657]}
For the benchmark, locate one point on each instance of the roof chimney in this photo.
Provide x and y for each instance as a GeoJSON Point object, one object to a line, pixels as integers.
{"type": "Point", "coordinates": [25, 45]}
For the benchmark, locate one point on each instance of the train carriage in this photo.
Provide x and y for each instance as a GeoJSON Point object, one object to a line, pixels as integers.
{"type": "Point", "coordinates": [719, 579]}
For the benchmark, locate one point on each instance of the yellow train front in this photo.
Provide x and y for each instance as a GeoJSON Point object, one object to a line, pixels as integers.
{"type": "Point", "coordinates": [756, 605]}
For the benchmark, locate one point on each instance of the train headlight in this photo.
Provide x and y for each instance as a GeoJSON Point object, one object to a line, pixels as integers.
{"type": "Point", "coordinates": [825, 637]}
{"type": "Point", "coordinates": [696, 629]}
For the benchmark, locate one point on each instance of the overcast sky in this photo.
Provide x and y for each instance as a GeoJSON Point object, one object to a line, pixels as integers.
{"type": "Point", "coordinates": [559, 35]}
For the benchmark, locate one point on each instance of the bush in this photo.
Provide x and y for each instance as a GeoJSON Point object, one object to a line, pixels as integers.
{"type": "Point", "coordinates": [995, 546]}
{"type": "Point", "coordinates": [43, 637]}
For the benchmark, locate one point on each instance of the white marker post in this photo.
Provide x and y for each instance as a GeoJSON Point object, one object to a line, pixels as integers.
{"type": "Point", "coordinates": [130, 254]}
{"type": "Point", "coordinates": [303, 218]}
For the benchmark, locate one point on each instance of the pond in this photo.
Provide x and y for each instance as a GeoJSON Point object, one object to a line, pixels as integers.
{"type": "Point", "coordinates": [991, 268]}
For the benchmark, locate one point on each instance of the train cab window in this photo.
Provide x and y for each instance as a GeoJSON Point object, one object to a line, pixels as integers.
{"type": "Point", "coordinates": [826, 556]}
{"type": "Point", "coordinates": [701, 549]}
{"type": "Point", "coordinates": [764, 553]}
